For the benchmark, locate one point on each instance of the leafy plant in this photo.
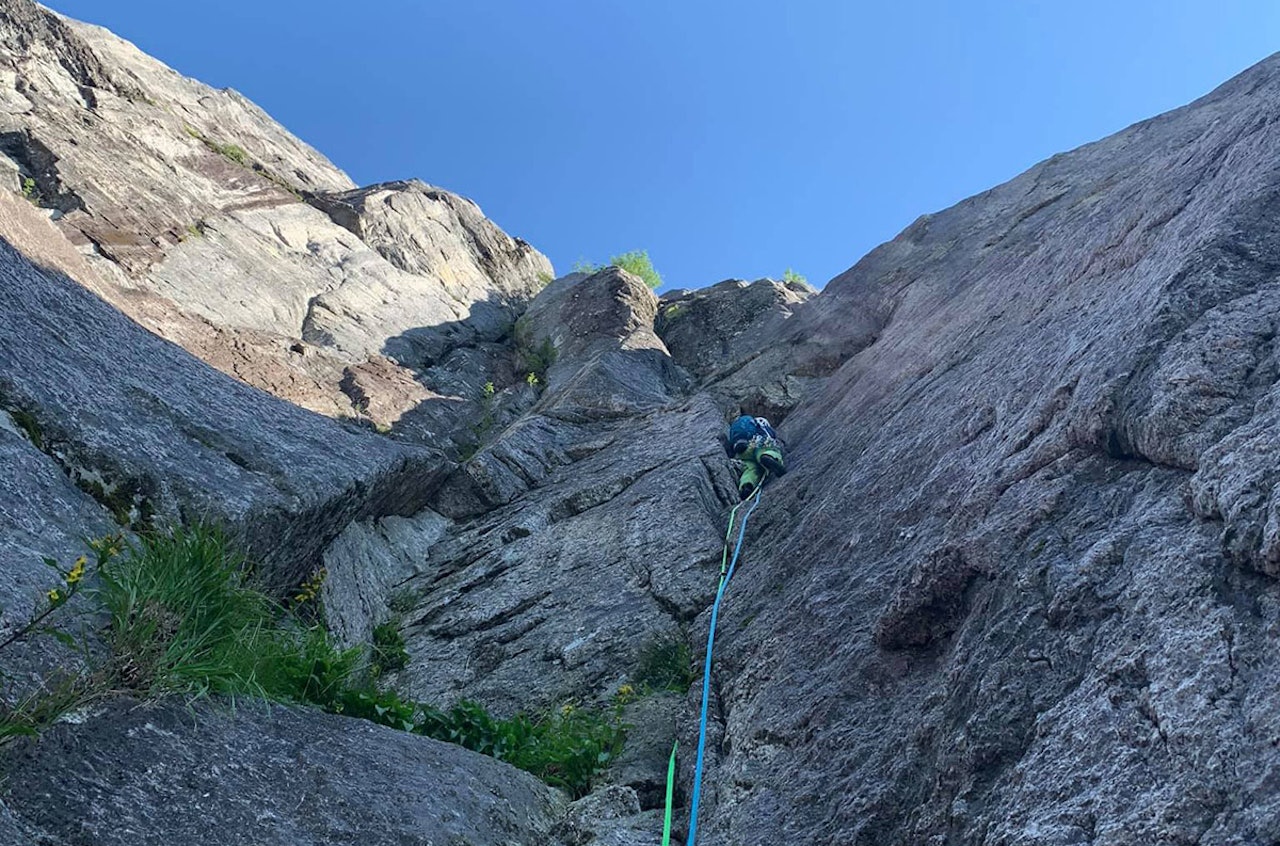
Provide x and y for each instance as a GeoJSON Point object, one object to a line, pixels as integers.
{"type": "Point", "coordinates": [666, 663]}
{"type": "Point", "coordinates": [30, 190]}
{"type": "Point", "coordinates": [388, 653]}
{"type": "Point", "coordinates": [791, 276]}
{"type": "Point", "coordinates": [638, 263]}
{"type": "Point", "coordinates": [184, 617]}
{"type": "Point", "coordinates": [534, 358]}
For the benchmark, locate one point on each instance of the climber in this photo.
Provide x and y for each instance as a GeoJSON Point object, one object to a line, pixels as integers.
{"type": "Point", "coordinates": [753, 441]}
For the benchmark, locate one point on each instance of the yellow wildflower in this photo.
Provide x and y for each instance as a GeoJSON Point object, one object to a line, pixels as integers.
{"type": "Point", "coordinates": [77, 572]}
{"type": "Point", "coordinates": [55, 595]}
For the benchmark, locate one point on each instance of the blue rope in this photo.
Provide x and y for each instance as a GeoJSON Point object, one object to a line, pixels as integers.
{"type": "Point", "coordinates": [706, 670]}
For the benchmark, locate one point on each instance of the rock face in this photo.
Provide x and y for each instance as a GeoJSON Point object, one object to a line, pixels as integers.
{"type": "Point", "coordinates": [137, 775]}
{"type": "Point", "coordinates": [155, 433]}
{"type": "Point", "coordinates": [737, 338]}
{"type": "Point", "coordinates": [1026, 526]}
{"type": "Point", "coordinates": [223, 232]}
{"type": "Point", "coordinates": [1019, 587]}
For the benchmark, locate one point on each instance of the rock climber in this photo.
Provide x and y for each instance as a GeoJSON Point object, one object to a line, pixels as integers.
{"type": "Point", "coordinates": [753, 441]}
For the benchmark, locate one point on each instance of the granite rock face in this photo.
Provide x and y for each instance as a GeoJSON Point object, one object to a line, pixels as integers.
{"type": "Point", "coordinates": [1019, 587]}
{"type": "Point", "coordinates": [137, 775]}
{"type": "Point", "coordinates": [218, 229]}
{"type": "Point", "coordinates": [157, 434]}
{"type": "Point", "coordinates": [1012, 590]}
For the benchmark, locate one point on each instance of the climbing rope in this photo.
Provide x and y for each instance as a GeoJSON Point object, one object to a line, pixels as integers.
{"type": "Point", "coordinates": [727, 566]}
{"type": "Point", "coordinates": [671, 783]}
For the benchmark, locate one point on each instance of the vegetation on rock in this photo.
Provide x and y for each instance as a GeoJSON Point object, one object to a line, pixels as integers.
{"type": "Point", "coordinates": [184, 617]}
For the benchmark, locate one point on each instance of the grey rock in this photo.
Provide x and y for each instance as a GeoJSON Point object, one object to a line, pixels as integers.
{"type": "Point", "coordinates": [610, 817]}
{"type": "Point", "coordinates": [192, 204]}
{"type": "Point", "coordinates": [160, 432]}
{"type": "Point", "coordinates": [137, 775]}
{"type": "Point", "coordinates": [42, 515]}
{"type": "Point", "coordinates": [715, 329]}
{"type": "Point", "coordinates": [368, 564]}
{"type": "Point", "coordinates": [1007, 593]}
{"type": "Point", "coordinates": [654, 719]}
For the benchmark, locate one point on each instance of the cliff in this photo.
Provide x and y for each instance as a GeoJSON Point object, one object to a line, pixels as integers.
{"type": "Point", "coordinates": [1019, 586]}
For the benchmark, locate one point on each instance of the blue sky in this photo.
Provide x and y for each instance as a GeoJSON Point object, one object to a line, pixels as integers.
{"type": "Point", "coordinates": [729, 139]}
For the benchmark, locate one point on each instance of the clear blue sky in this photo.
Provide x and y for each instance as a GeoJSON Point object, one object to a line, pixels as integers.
{"type": "Point", "coordinates": [729, 139]}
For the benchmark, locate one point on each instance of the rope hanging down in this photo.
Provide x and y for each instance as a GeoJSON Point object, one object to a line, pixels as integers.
{"type": "Point", "coordinates": [727, 566]}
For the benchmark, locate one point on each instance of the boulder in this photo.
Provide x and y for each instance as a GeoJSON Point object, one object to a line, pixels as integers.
{"type": "Point", "coordinates": [144, 775]}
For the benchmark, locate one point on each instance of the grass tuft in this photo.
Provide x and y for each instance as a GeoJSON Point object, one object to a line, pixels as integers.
{"type": "Point", "coordinates": [666, 664]}
{"type": "Point", "coordinates": [185, 618]}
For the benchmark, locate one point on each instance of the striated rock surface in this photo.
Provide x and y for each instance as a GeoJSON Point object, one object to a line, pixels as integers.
{"type": "Point", "coordinates": [138, 775]}
{"type": "Point", "coordinates": [1026, 526]}
{"type": "Point", "coordinates": [153, 432]}
{"type": "Point", "coordinates": [218, 229]}
{"type": "Point", "coordinates": [1019, 587]}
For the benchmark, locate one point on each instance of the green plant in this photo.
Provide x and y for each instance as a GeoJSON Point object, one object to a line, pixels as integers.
{"type": "Point", "coordinates": [57, 696]}
{"type": "Point", "coordinates": [388, 653]}
{"type": "Point", "coordinates": [534, 358]}
{"type": "Point", "coordinates": [674, 311]}
{"type": "Point", "coordinates": [545, 278]}
{"type": "Point", "coordinates": [665, 664]}
{"type": "Point", "coordinates": [791, 276]}
{"type": "Point", "coordinates": [72, 580]}
{"type": "Point", "coordinates": [184, 617]}
{"type": "Point", "coordinates": [30, 426]}
{"type": "Point", "coordinates": [403, 601]}
{"type": "Point", "coordinates": [531, 379]}
{"type": "Point", "coordinates": [637, 262]}
{"type": "Point", "coordinates": [309, 590]}
{"type": "Point", "coordinates": [30, 190]}
{"type": "Point", "coordinates": [234, 152]}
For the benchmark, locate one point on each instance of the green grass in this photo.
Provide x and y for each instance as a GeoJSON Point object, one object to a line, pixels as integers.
{"type": "Point", "coordinates": [388, 654]}
{"type": "Point", "coordinates": [791, 276]}
{"type": "Point", "coordinates": [666, 663]}
{"type": "Point", "coordinates": [184, 617]}
{"type": "Point", "coordinates": [27, 422]}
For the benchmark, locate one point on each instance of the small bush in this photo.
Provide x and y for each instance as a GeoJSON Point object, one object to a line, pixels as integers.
{"type": "Point", "coordinates": [388, 653]}
{"type": "Point", "coordinates": [637, 262]}
{"type": "Point", "coordinates": [184, 617]}
{"type": "Point", "coordinates": [666, 664]}
{"type": "Point", "coordinates": [791, 276]}
{"type": "Point", "coordinates": [534, 359]}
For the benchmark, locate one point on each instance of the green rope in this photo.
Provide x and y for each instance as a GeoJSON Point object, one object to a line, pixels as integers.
{"type": "Point", "coordinates": [671, 784]}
